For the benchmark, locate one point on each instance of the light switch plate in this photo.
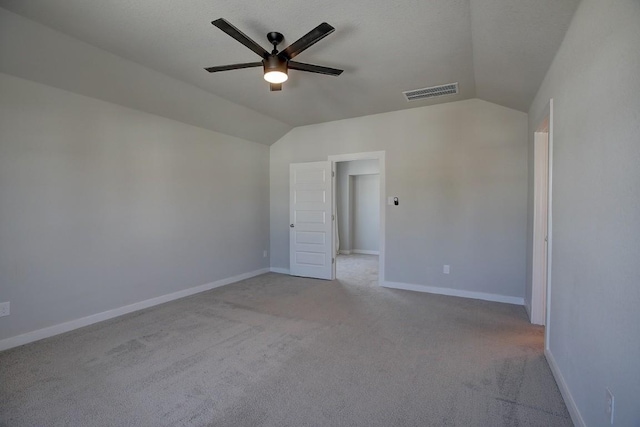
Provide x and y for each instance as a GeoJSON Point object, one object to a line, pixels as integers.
{"type": "Point", "coordinates": [4, 309]}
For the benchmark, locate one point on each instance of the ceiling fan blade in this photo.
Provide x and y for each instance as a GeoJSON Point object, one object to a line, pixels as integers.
{"type": "Point", "coordinates": [240, 36]}
{"type": "Point", "coordinates": [233, 67]}
{"type": "Point", "coordinates": [274, 87]}
{"type": "Point", "coordinates": [308, 40]}
{"type": "Point", "coordinates": [300, 66]}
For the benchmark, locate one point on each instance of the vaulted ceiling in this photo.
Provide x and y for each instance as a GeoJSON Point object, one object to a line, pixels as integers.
{"type": "Point", "coordinates": [497, 50]}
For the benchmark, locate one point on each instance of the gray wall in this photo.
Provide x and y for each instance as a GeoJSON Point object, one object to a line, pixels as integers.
{"type": "Point", "coordinates": [366, 212]}
{"type": "Point", "coordinates": [344, 196]}
{"type": "Point", "coordinates": [103, 206]}
{"type": "Point", "coordinates": [460, 172]}
{"type": "Point", "coordinates": [595, 323]}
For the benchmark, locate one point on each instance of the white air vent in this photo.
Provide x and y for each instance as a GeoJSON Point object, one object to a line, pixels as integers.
{"type": "Point", "coordinates": [431, 92]}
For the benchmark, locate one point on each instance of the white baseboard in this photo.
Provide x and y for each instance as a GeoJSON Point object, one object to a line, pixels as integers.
{"type": "Point", "coordinates": [345, 252]}
{"type": "Point", "coordinates": [280, 270]}
{"type": "Point", "coordinates": [60, 328]}
{"type": "Point", "coordinates": [564, 390]}
{"type": "Point", "coordinates": [454, 292]}
{"type": "Point", "coordinates": [364, 252]}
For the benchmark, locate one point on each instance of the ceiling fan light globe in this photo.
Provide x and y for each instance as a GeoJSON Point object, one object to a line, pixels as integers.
{"type": "Point", "coordinates": [276, 76]}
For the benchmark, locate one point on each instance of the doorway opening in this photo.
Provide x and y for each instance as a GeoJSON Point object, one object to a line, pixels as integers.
{"type": "Point", "coordinates": [357, 219]}
{"type": "Point", "coordinates": [541, 251]}
{"type": "Point", "coordinates": [314, 240]}
{"type": "Point", "coordinates": [358, 208]}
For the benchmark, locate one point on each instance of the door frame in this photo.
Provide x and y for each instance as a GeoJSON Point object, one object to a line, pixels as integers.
{"type": "Point", "coordinates": [541, 297]}
{"type": "Point", "coordinates": [540, 222]}
{"type": "Point", "coordinates": [371, 155]}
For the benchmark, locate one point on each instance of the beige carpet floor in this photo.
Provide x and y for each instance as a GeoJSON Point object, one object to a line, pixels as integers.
{"type": "Point", "coordinates": [277, 350]}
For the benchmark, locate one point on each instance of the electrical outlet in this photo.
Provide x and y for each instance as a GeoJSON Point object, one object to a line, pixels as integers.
{"type": "Point", "coordinates": [4, 309]}
{"type": "Point", "coordinates": [446, 269]}
{"type": "Point", "coordinates": [610, 404]}
{"type": "Point", "coordinates": [264, 254]}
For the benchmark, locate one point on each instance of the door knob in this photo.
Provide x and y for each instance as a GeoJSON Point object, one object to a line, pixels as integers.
{"type": "Point", "coordinates": [291, 225]}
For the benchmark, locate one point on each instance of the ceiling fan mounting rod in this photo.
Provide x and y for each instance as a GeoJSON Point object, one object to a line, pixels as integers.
{"type": "Point", "coordinates": [275, 38]}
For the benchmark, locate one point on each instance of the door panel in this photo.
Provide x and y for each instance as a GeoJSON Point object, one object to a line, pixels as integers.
{"type": "Point", "coordinates": [310, 220]}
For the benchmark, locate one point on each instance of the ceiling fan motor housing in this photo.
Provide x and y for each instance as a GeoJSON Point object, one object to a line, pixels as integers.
{"type": "Point", "coordinates": [275, 63]}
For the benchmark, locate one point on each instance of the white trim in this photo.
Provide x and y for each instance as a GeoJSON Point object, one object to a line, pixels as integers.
{"type": "Point", "coordinates": [280, 270]}
{"type": "Point", "coordinates": [547, 332]}
{"type": "Point", "coordinates": [381, 157]}
{"type": "Point", "coordinates": [345, 252]}
{"type": "Point", "coordinates": [335, 236]}
{"type": "Point", "coordinates": [455, 292]}
{"type": "Point", "coordinates": [370, 155]}
{"type": "Point", "coordinates": [564, 390]}
{"type": "Point", "coordinates": [61, 328]}
{"type": "Point", "coordinates": [364, 252]}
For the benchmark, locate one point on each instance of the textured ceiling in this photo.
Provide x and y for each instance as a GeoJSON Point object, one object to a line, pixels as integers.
{"type": "Point", "coordinates": [498, 50]}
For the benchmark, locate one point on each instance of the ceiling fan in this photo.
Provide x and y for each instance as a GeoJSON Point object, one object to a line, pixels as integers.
{"type": "Point", "coordinates": [276, 64]}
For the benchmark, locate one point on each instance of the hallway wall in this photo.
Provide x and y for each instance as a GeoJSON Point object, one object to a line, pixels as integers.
{"type": "Point", "coordinates": [366, 213]}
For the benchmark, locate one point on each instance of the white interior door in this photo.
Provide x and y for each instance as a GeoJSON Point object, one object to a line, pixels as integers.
{"type": "Point", "coordinates": [539, 270]}
{"type": "Point", "coordinates": [310, 220]}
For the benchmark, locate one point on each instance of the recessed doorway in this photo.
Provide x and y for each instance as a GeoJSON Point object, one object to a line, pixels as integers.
{"type": "Point", "coordinates": [358, 235]}
{"type": "Point", "coordinates": [541, 251]}
{"type": "Point", "coordinates": [357, 219]}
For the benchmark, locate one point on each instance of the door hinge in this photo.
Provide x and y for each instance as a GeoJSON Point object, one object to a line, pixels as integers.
{"type": "Point", "coordinates": [333, 174]}
{"type": "Point", "coordinates": [333, 260]}
{"type": "Point", "coordinates": [333, 217]}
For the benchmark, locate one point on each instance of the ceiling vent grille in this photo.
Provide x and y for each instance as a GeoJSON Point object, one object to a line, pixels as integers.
{"type": "Point", "coordinates": [431, 92]}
